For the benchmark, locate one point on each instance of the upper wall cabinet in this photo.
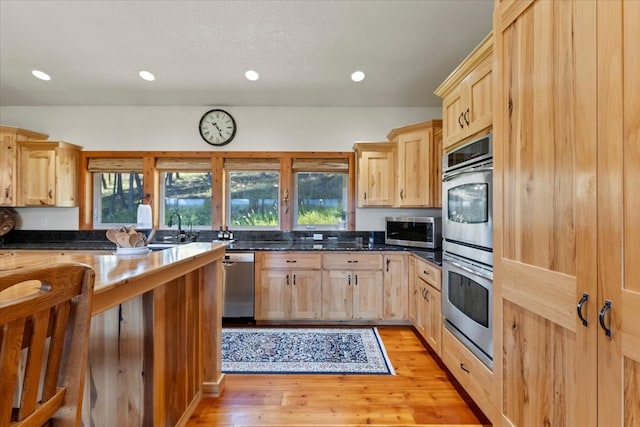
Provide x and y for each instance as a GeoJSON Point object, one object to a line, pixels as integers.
{"type": "Point", "coordinates": [9, 138]}
{"type": "Point", "coordinates": [467, 96]}
{"type": "Point", "coordinates": [56, 180]}
{"type": "Point", "coordinates": [419, 165]}
{"type": "Point", "coordinates": [376, 173]}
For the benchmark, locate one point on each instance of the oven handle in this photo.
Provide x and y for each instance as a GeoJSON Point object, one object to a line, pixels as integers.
{"type": "Point", "coordinates": [469, 270]}
{"type": "Point", "coordinates": [451, 175]}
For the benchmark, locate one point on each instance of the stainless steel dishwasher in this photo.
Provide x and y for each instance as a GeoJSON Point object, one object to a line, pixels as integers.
{"type": "Point", "coordinates": [238, 285]}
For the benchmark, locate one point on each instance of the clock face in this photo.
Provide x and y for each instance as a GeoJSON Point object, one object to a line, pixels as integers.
{"type": "Point", "coordinates": [217, 127]}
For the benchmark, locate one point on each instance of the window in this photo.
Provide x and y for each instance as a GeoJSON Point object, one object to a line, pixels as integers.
{"type": "Point", "coordinates": [321, 193]}
{"type": "Point", "coordinates": [187, 194]}
{"type": "Point", "coordinates": [185, 190]}
{"type": "Point", "coordinates": [253, 188]}
{"type": "Point", "coordinates": [118, 189]}
{"type": "Point", "coordinates": [253, 199]}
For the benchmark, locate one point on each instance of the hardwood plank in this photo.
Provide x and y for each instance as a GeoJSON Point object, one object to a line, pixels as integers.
{"type": "Point", "coordinates": [420, 394]}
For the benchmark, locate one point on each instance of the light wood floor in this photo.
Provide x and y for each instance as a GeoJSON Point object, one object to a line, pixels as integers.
{"type": "Point", "coordinates": [420, 394]}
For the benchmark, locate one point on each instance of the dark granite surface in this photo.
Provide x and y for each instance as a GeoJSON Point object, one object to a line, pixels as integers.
{"type": "Point", "coordinates": [244, 241]}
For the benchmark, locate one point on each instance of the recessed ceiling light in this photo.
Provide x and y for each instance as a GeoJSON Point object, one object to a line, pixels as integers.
{"type": "Point", "coordinates": [357, 76]}
{"type": "Point", "coordinates": [41, 75]}
{"type": "Point", "coordinates": [252, 75]}
{"type": "Point", "coordinates": [145, 75]}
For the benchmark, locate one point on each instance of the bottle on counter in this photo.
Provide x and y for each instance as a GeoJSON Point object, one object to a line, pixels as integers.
{"type": "Point", "coordinates": [225, 233]}
{"type": "Point", "coordinates": [220, 234]}
{"type": "Point", "coordinates": [230, 234]}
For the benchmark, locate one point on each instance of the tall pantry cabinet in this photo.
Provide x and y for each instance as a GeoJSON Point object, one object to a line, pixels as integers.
{"type": "Point", "coordinates": [567, 229]}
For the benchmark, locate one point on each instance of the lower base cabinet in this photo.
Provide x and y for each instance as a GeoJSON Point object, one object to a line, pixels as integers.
{"type": "Point", "coordinates": [288, 286]}
{"type": "Point", "coordinates": [351, 295]}
{"type": "Point", "coordinates": [428, 303]}
{"type": "Point", "coordinates": [471, 373]}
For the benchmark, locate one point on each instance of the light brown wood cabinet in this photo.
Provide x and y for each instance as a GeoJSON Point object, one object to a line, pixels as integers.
{"type": "Point", "coordinates": [467, 96]}
{"type": "Point", "coordinates": [289, 286]}
{"type": "Point", "coordinates": [566, 156]}
{"type": "Point", "coordinates": [428, 303]}
{"type": "Point", "coordinates": [352, 286]}
{"type": "Point", "coordinates": [376, 173]}
{"type": "Point", "coordinates": [396, 287]}
{"type": "Point", "coordinates": [48, 173]}
{"type": "Point", "coordinates": [9, 139]}
{"type": "Point", "coordinates": [419, 165]}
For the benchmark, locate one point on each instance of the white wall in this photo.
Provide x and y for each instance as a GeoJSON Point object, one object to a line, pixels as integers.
{"type": "Point", "coordinates": [176, 129]}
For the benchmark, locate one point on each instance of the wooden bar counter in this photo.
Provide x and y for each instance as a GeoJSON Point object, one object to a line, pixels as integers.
{"type": "Point", "coordinates": [155, 345]}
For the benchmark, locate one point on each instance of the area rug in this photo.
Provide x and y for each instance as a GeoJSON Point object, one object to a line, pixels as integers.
{"type": "Point", "coordinates": [304, 350]}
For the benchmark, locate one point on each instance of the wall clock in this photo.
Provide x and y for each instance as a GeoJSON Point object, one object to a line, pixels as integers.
{"type": "Point", "coordinates": [217, 127]}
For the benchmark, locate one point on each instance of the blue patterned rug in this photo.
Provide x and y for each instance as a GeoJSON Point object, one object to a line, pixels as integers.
{"type": "Point", "coordinates": [304, 350]}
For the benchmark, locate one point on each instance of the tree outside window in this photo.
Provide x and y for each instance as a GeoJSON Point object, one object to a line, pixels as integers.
{"type": "Point", "coordinates": [321, 200]}
{"type": "Point", "coordinates": [253, 199]}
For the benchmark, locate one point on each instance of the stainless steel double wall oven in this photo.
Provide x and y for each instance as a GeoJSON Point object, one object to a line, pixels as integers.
{"type": "Point", "coordinates": [467, 260]}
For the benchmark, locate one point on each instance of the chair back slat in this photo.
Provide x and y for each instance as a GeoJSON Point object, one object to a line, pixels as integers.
{"type": "Point", "coordinates": [9, 360]}
{"type": "Point", "coordinates": [60, 317]}
{"type": "Point", "coordinates": [36, 342]}
{"type": "Point", "coordinates": [45, 315]}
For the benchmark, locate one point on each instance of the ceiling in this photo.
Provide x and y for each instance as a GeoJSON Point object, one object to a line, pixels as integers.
{"type": "Point", "coordinates": [304, 51]}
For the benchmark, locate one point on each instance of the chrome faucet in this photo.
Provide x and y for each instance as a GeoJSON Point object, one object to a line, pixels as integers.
{"type": "Point", "coordinates": [170, 224]}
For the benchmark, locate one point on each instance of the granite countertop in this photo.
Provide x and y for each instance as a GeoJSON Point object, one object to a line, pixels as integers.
{"type": "Point", "coordinates": [95, 241]}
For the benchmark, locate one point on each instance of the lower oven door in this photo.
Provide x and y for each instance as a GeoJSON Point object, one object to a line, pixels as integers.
{"type": "Point", "coordinates": [466, 206]}
{"type": "Point", "coordinates": [467, 305]}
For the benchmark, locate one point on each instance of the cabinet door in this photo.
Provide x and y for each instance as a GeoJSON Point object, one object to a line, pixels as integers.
{"type": "Point", "coordinates": [37, 188]}
{"type": "Point", "coordinates": [337, 294]}
{"type": "Point", "coordinates": [376, 178]}
{"type": "Point", "coordinates": [421, 306]}
{"type": "Point", "coordinates": [478, 86]}
{"type": "Point", "coordinates": [396, 289]}
{"type": "Point", "coordinates": [452, 116]}
{"type": "Point", "coordinates": [367, 295]}
{"type": "Point", "coordinates": [413, 290]}
{"type": "Point", "coordinates": [7, 170]}
{"type": "Point", "coordinates": [433, 319]}
{"type": "Point", "coordinates": [275, 294]}
{"type": "Point", "coordinates": [306, 294]}
{"type": "Point", "coordinates": [414, 155]}
{"type": "Point", "coordinates": [545, 211]}
{"type": "Point", "coordinates": [618, 212]}
{"type": "Point", "coordinates": [66, 173]}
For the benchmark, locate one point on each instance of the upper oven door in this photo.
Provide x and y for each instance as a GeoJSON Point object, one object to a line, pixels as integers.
{"type": "Point", "coordinates": [466, 206]}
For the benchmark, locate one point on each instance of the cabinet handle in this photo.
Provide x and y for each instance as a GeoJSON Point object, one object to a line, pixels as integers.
{"type": "Point", "coordinates": [291, 260]}
{"type": "Point", "coordinates": [51, 194]}
{"type": "Point", "coordinates": [464, 368]}
{"type": "Point", "coordinates": [352, 261]}
{"type": "Point", "coordinates": [423, 294]}
{"type": "Point", "coordinates": [6, 192]}
{"type": "Point", "coordinates": [425, 272]}
{"type": "Point", "coordinates": [356, 280]}
{"type": "Point", "coordinates": [349, 280]}
{"type": "Point", "coordinates": [459, 120]}
{"type": "Point", "coordinates": [388, 262]}
{"type": "Point", "coordinates": [402, 194]}
{"type": "Point", "coordinates": [466, 117]}
{"type": "Point", "coordinates": [427, 294]}
{"type": "Point", "coordinates": [585, 298]}
{"type": "Point", "coordinates": [294, 280]}
{"type": "Point", "coordinates": [365, 195]}
{"type": "Point", "coordinates": [287, 280]}
{"type": "Point", "coordinates": [603, 311]}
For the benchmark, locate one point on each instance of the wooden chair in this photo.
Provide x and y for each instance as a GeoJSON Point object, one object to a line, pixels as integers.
{"type": "Point", "coordinates": [45, 315]}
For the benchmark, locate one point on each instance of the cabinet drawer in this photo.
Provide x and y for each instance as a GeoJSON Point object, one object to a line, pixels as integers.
{"type": "Point", "coordinates": [351, 261]}
{"type": "Point", "coordinates": [292, 260]}
{"type": "Point", "coordinates": [429, 273]}
{"type": "Point", "coordinates": [471, 373]}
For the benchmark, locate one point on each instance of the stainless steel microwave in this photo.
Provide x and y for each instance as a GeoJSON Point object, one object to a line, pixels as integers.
{"type": "Point", "coordinates": [415, 231]}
